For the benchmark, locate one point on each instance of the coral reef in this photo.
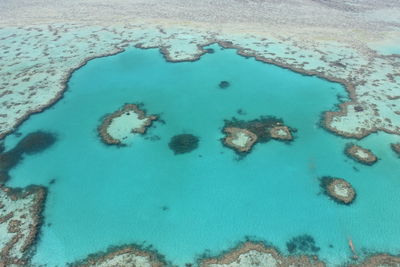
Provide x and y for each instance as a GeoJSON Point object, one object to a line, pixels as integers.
{"type": "Point", "coordinates": [338, 189]}
{"type": "Point", "coordinates": [20, 221]}
{"type": "Point", "coordinates": [360, 154]}
{"type": "Point", "coordinates": [183, 143]}
{"type": "Point", "coordinates": [241, 140]}
{"type": "Point", "coordinates": [242, 135]}
{"type": "Point", "coordinates": [254, 254]}
{"type": "Point", "coordinates": [281, 133]}
{"type": "Point", "coordinates": [121, 124]}
{"type": "Point", "coordinates": [129, 256]}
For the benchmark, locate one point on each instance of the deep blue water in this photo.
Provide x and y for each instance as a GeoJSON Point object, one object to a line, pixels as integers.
{"type": "Point", "coordinates": [109, 196]}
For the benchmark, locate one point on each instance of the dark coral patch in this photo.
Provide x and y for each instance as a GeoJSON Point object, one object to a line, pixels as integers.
{"type": "Point", "coordinates": [183, 143]}
{"type": "Point", "coordinates": [224, 84]}
{"type": "Point", "coordinates": [30, 144]}
{"type": "Point", "coordinates": [302, 244]}
{"type": "Point", "coordinates": [35, 142]}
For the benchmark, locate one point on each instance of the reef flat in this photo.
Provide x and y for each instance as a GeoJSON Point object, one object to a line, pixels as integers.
{"type": "Point", "coordinates": [123, 124]}
{"type": "Point", "coordinates": [42, 44]}
{"type": "Point", "coordinates": [20, 222]}
{"type": "Point", "coordinates": [313, 46]}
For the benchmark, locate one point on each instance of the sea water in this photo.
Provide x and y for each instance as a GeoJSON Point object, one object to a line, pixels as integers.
{"type": "Point", "coordinates": [210, 199]}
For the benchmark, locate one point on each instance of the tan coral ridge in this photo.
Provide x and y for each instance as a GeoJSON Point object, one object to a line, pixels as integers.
{"type": "Point", "coordinates": [20, 221]}
{"type": "Point", "coordinates": [127, 256]}
{"type": "Point", "coordinates": [252, 254]}
{"type": "Point", "coordinates": [360, 154]}
{"type": "Point", "coordinates": [338, 189]}
{"type": "Point", "coordinates": [142, 122]}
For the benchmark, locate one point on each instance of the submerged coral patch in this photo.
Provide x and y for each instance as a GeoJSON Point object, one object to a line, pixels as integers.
{"type": "Point", "coordinates": [32, 143]}
{"type": "Point", "coordinates": [360, 154]}
{"type": "Point", "coordinates": [302, 244]}
{"type": "Point", "coordinates": [338, 189]}
{"type": "Point", "coordinates": [124, 123]}
{"type": "Point", "coordinates": [242, 135]}
{"type": "Point", "coordinates": [224, 84]}
{"type": "Point", "coordinates": [183, 143]}
{"type": "Point", "coordinates": [35, 142]}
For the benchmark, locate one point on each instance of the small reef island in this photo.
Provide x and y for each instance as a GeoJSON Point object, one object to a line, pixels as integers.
{"type": "Point", "coordinates": [360, 154]}
{"type": "Point", "coordinates": [242, 135]}
{"type": "Point", "coordinates": [338, 189]}
{"type": "Point", "coordinates": [124, 123]}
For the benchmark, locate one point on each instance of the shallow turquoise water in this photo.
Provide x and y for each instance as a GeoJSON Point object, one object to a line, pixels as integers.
{"type": "Point", "coordinates": [109, 196]}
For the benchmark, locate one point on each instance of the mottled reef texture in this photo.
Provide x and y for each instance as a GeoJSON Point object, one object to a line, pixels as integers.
{"type": "Point", "coordinates": [331, 40]}
{"type": "Point", "coordinates": [254, 254]}
{"type": "Point", "coordinates": [43, 42]}
{"type": "Point", "coordinates": [129, 256]}
{"type": "Point", "coordinates": [360, 154]}
{"type": "Point", "coordinates": [20, 220]}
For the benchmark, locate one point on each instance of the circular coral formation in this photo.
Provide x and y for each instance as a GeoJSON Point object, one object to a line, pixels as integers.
{"type": "Point", "coordinates": [239, 139]}
{"type": "Point", "coordinates": [183, 143]}
{"type": "Point", "coordinates": [360, 154]}
{"type": "Point", "coordinates": [117, 126]}
{"type": "Point", "coordinates": [338, 189]}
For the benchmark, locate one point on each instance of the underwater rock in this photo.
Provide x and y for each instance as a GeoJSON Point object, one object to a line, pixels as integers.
{"type": "Point", "coordinates": [20, 221]}
{"type": "Point", "coordinates": [396, 148]}
{"type": "Point", "coordinates": [127, 256]}
{"type": "Point", "coordinates": [121, 124]}
{"type": "Point", "coordinates": [35, 142]}
{"type": "Point", "coordinates": [242, 135]}
{"type": "Point", "coordinates": [360, 154]}
{"type": "Point", "coordinates": [241, 140]}
{"type": "Point", "coordinates": [32, 143]}
{"type": "Point", "coordinates": [256, 254]}
{"type": "Point", "coordinates": [183, 143]}
{"type": "Point", "coordinates": [338, 189]}
{"type": "Point", "coordinates": [281, 133]}
{"type": "Point", "coordinates": [224, 84]}
{"type": "Point", "coordinates": [302, 244]}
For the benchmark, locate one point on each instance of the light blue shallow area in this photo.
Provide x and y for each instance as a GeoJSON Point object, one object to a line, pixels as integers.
{"type": "Point", "coordinates": [110, 196]}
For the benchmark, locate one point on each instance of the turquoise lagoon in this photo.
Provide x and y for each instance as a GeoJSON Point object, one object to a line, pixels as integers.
{"type": "Point", "coordinates": [206, 200]}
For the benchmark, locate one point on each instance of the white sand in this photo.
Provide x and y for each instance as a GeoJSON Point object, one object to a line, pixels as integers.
{"type": "Point", "coordinates": [361, 154]}
{"type": "Point", "coordinates": [121, 127]}
{"type": "Point", "coordinates": [341, 190]}
{"type": "Point", "coordinates": [241, 139]}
